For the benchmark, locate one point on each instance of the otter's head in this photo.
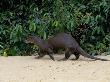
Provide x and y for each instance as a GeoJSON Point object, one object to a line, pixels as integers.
{"type": "Point", "coordinates": [29, 39]}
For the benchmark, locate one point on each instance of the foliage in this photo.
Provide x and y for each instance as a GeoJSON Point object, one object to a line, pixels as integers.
{"type": "Point", "coordinates": [48, 17]}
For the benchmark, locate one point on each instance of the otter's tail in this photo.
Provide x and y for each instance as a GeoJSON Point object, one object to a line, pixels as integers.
{"type": "Point", "coordinates": [83, 53]}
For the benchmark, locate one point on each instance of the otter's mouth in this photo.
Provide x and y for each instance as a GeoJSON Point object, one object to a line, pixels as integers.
{"type": "Point", "coordinates": [26, 41]}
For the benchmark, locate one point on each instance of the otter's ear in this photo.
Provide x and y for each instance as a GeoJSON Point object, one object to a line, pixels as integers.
{"type": "Point", "coordinates": [29, 36]}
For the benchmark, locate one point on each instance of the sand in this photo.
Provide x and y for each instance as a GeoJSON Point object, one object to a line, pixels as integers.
{"type": "Point", "coordinates": [28, 69]}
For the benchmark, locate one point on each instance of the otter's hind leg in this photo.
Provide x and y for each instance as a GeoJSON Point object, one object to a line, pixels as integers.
{"type": "Point", "coordinates": [76, 56]}
{"type": "Point", "coordinates": [67, 55]}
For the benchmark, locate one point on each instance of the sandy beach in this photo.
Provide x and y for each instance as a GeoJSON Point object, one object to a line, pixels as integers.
{"type": "Point", "coordinates": [29, 69]}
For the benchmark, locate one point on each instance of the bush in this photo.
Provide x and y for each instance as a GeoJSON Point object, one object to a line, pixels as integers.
{"type": "Point", "coordinates": [48, 17]}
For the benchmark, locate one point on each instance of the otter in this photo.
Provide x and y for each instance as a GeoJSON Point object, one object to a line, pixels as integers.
{"type": "Point", "coordinates": [42, 44]}
{"type": "Point", "coordinates": [60, 40]}
{"type": "Point", "coordinates": [66, 41]}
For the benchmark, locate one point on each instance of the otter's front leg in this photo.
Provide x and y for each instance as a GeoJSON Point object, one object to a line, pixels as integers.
{"type": "Point", "coordinates": [40, 54]}
{"type": "Point", "coordinates": [50, 53]}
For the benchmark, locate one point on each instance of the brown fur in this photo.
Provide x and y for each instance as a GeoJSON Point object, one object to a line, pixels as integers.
{"type": "Point", "coordinates": [61, 40]}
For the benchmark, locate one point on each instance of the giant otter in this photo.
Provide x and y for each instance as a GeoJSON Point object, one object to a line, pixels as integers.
{"type": "Point", "coordinates": [60, 40]}
{"type": "Point", "coordinates": [42, 44]}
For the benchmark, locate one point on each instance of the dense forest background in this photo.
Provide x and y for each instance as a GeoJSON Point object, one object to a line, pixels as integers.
{"type": "Point", "coordinates": [87, 20]}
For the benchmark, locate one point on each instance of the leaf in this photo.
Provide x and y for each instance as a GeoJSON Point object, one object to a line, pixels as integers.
{"type": "Point", "coordinates": [5, 54]}
{"type": "Point", "coordinates": [32, 26]}
{"type": "Point", "coordinates": [55, 23]}
{"type": "Point", "coordinates": [1, 46]}
{"type": "Point", "coordinates": [13, 51]}
{"type": "Point", "coordinates": [45, 35]}
{"type": "Point", "coordinates": [102, 31]}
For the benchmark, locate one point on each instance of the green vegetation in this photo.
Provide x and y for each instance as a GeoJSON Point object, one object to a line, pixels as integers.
{"type": "Point", "coordinates": [18, 18]}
